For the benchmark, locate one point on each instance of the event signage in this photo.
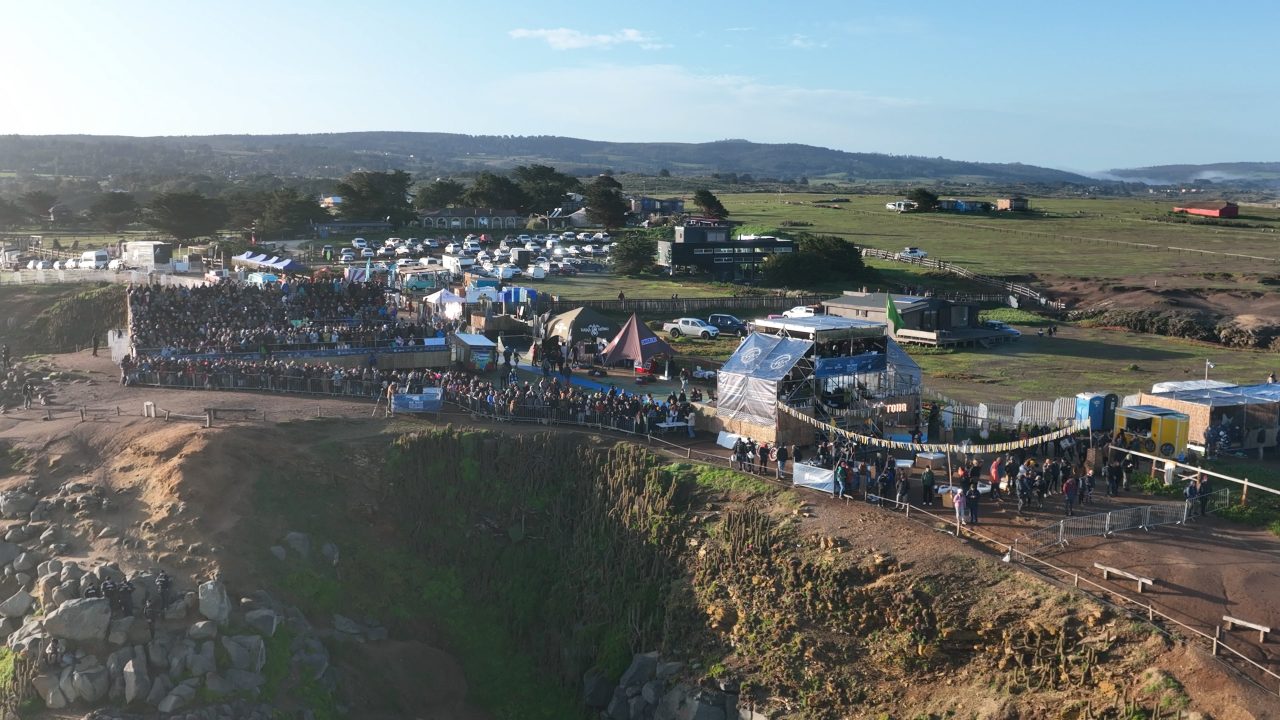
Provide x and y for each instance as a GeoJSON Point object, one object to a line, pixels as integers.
{"type": "Point", "coordinates": [853, 365]}
{"type": "Point", "coordinates": [429, 400]}
{"type": "Point", "coordinates": [435, 344]}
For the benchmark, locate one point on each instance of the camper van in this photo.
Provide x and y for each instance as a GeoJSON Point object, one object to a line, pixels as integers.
{"type": "Point", "coordinates": [94, 260]}
{"type": "Point", "coordinates": [457, 264]}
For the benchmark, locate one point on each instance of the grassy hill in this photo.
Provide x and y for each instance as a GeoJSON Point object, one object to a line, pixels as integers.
{"type": "Point", "coordinates": [332, 155]}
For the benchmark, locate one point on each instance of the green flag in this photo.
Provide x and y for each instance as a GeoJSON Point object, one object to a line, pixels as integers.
{"type": "Point", "coordinates": [891, 313]}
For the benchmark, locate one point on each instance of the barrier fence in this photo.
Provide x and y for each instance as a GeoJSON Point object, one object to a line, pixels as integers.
{"type": "Point", "coordinates": [1105, 524]}
{"type": "Point", "coordinates": [272, 381]}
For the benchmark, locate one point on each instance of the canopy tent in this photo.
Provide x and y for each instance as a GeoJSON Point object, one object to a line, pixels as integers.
{"type": "Point", "coordinates": [637, 343]}
{"type": "Point", "coordinates": [447, 303]}
{"type": "Point", "coordinates": [260, 261]}
{"type": "Point", "coordinates": [747, 384]}
{"type": "Point", "coordinates": [581, 324]}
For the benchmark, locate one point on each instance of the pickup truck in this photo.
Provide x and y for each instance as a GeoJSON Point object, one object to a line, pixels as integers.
{"type": "Point", "coordinates": [693, 327]}
{"type": "Point", "coordinates": [728, 325]}
{"type": "Point", "coordinates": [799, 311]}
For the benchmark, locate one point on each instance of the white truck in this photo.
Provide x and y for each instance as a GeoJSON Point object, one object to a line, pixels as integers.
{"type": "Point", "coordinates": [457, 264]}
{"type": "Point", "coordinates": [693, 327]}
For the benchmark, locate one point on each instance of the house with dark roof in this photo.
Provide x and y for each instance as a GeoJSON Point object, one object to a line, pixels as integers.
{"type": "Point", "coordinates": [1212, 208]}
{"type": "Point", "coordinates": [926, 320]}
{"type": "Point", "coordinates": [456, 218]}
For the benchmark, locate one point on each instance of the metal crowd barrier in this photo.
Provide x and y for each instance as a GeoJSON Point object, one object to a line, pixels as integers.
{"type": "Point", "coordinates": [269, 382]}
{"type": "Point", "coordinates": [1133, 518]}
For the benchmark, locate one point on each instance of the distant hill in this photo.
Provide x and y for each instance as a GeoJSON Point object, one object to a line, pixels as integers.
{"type": "Point", "coordinates": [1266, 173]}
{"type": "Point", "coordinates": [333, 155]}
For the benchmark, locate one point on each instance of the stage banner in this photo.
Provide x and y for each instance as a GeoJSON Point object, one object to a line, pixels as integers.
{"type": "Point", "coordinates": [427, 401]}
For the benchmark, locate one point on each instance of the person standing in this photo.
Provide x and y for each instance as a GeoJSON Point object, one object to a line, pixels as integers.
{"type": "Point", "coordinates": [1069, 495]}
{"type": "Point", "coordinates": [1127, 469]}
{"type": "Point", "coordinates": [903, 494]}
{"type": "Point", "coordinates": [971, 500]}
{"type": "Point", "coordinates": [96, 342]}
{"type": "Point", "coordinates": [782, 456]}
{"type": "Point", "coordinates": [1023, 491]}
{"type": "Point", "coordinates": [926, 487]}
{"type": "Point", "coordinates": [691, 421]}
{"type": "Point", "coordinates": [765, 452]}
{"type": "Point", "coordinates": [1202, 495]}
{"type": "Point", "coordinates": [840, 475]}
{"type": "Point", "coordinates": [28, 392]}
{"type": "Point", "coordinates": [958, 500]}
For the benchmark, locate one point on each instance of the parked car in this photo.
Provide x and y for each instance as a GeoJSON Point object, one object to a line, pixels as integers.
{"type": "Point", "coordinates": [728, 325]}
{"type": "Point", "coordinates": [799, 311]}
{"type": "Point", "coordinates": [359, 243]}
{"type": "Point", "coordinates": [117, 264]}
{"type": "Point", "coordinates": [693, 327]}
{"type": "Point", "coordinates": [386, 252]}
{"type": "Point", "coordinates": [404, 251]}
{"type": "Point", "coordinates": [1002, 328]}
{"type": "Point", "coordinates": [453, 248]}
{"type": "Point", "coordinates": [366, 253]}
{"type": "Point", "coordinates": [913, 253]}
{"type": "Point", "coordinates": [430, 243]}
{"type": "Point", "coordinates": [471, 246]}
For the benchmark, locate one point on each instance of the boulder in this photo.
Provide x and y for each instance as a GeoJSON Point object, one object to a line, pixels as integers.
{"type": "Point", "coordinates": [300, 543]}
{"type": "Point", "coordinates": [69, 590]}
{"type": "Point", "coordinates": [28, 637]}
{"type": "Point", "coordinates": [642, 669]}
{"type": "Point", "coordinates": [180, 696]}
{"type": "Point", "coordinates": [203, 661]}
{"type": "Point", "coordinates": [264, 621]}
{"type": "Point", "coordinates": [597, 690]}
{"type": "Point", "coordinates": [160, 688]}
{"type": "Point", "coordinates": [18, 605]}
{"type": "Point", "coordinates": [203, 630]}
{"type": "Point", "coordinates": [66, 683]}
{"type": "Point", "coordinates": [158, 651]}
{"type": "Point", "coordinates": [668, 670]}
{"type": "Point", "coordinates": [46, 686]}
{"type": "Point", "coordinates": [214, 603]}
{"type": "Point", "coordinates": [80, 620]}
{"type": "Point", "coordinates": [178, 655]}
{"type": "Point", "coordinates": [246, 652]}
{"type": "Point", "coordinates": [177, 610]}
{"type": "Point", "coordinates": [23, 579]}
{"type": "Point", "coordinates": [329, 552]}
{"type": "Point", "coordinates": [279, 552]}
{"type": "Point", "coordinates": [619, 708]}
{"type": "Point", "coordinates": [91, 683]}
{"type": "Point", "coordinates": [218, 686]}
{"type": "Point", "coordinates": [14, 503]}
{"type": "Point", "coordinates": [128, 631]}
{"type": "Point", "coordinates": [136, 681]}
{"type": "Point", "coordinates": [245, 681]}
{"type": "Point", "coordinates": [346, 625]}
{"type": "Point", "coordinates": [24, 562]}
{"type": "Point", "coordinates": [8, 551]}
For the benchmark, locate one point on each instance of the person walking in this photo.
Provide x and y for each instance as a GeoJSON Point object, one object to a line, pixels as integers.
{"type": "Point", "coordinates": [782, 456]}
{"type": "Point", "coordinates": [1069, 495]}
{"type": "Point", "coordinates": [691, 421]}
{"type": "Point", "coordinates": [1127, 470]}
{"type": "Point", "coordinates": [903, 494]}
{"type": "Point", "coordinates": [1024, 492]}
{"type": "Point", "coordinates": [926, 487]}
{"type": "Point", "coordinates": [28, 392]}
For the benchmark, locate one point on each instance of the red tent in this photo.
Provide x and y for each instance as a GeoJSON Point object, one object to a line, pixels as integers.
{"type": "Point", "coordinates": [637, 343]}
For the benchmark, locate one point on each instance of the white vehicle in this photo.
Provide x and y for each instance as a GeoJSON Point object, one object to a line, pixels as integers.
{"type": "Point", "coordinates": [386, 252]}
{"type": "Point", "coordinates": [457, 264]}
{"type": "Point", "coordinates": [392, 242]}
{"type": "Point", "coordinates": [913, 253]}
{"type": "Point", "coordinates": [425, 261]}
{"type": "Point", "coordinates": [574, 250]}
{"type": "Point", "coordinates": [217, 276]}
{"type": "Point", "coordinates": [523, 239]}
{"type": "Point", "coordinates": [471, 246]}
{"type": "Point", "coordinates": [406, 262]}
{"type": "Point", "coordinates": [403, 251]}
{"type": "Point", "coordinates": [506, 271]}
{"type": "Point", "coordinates": [799, 311]}
{"type": "Point", "coordinates": [536, 272]}
{"type": "Point", "coordinates": [901, 206]}
{"type": "Point", "coordinates": [366, 254]}
{"type": "Point", "coordinates": [359, 243]}
{"type": "Point", "coordinates": [430, 243]}
{"type": "Point", "coordinates": [483, 255]}
{"type": "Point", "coordinates": [116, 264]}
{"type": "Point", "coordinates": [693, 327]}
{"type": "Point", "coordinates": [452, 249]}
{"type": "Point", "coordinates": [532, 246]}
{"type": "Point", "coordinates": [504, 245]}
{"type": "Point", "coordinates": [347, 256]}
{"type": "Point", "coordinates": [589, 250]}
{"type": "Point", "coordinates": [57, 265]}
{"type": "Point", "coordinates": [38, 265]}
{"type": "Point", "coordinates": [94, 259]}
{"type": "Point", "coordinates": [558, 252]}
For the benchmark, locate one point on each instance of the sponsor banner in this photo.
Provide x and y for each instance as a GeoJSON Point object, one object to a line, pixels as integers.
{"type": "Point", "coordinates": [429, 400]}
{"type": "Point", "coordinates": [853, 365]}
{"type": "Point", "coordinates": [814, 478]}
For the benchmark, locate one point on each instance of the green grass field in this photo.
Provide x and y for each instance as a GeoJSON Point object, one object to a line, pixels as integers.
{"type": "Point", "coordinates": [1062, 237]}
{"type": "Point", "coordinates": [1083, 360]}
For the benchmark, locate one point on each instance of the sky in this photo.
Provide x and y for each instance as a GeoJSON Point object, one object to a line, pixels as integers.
{"type": "Point", "coordinates": [1081, 85]}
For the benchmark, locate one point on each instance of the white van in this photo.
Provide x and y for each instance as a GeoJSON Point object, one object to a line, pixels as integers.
{"type": "Point", "coordinates": [457, 264]}
{"type": "Point", "coordinates": [94, 260]}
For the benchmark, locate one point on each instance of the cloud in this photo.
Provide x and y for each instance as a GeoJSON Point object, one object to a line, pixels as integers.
{"type": "Point", "coordinates": [804, 42]}
{"type": "Point", "coordinates": [570, 39]}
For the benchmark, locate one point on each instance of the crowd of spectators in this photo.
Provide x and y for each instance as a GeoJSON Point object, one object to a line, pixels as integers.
{"type": "Point", "coordinates": [554, 398]}
{"type": "Point", "coordinates": [229, 317]}
{"type": "Point", "coordinates": [324, 378]}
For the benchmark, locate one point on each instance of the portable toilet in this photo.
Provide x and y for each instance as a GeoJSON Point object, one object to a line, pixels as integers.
{"type": "Point", "coordinates": [1089, 407]}
{"type": "Point", "coordinates": [1153, 430]}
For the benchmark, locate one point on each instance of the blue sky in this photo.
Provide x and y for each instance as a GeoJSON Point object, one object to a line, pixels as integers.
{"type": "Point", "coordinates": [1082, 85]}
